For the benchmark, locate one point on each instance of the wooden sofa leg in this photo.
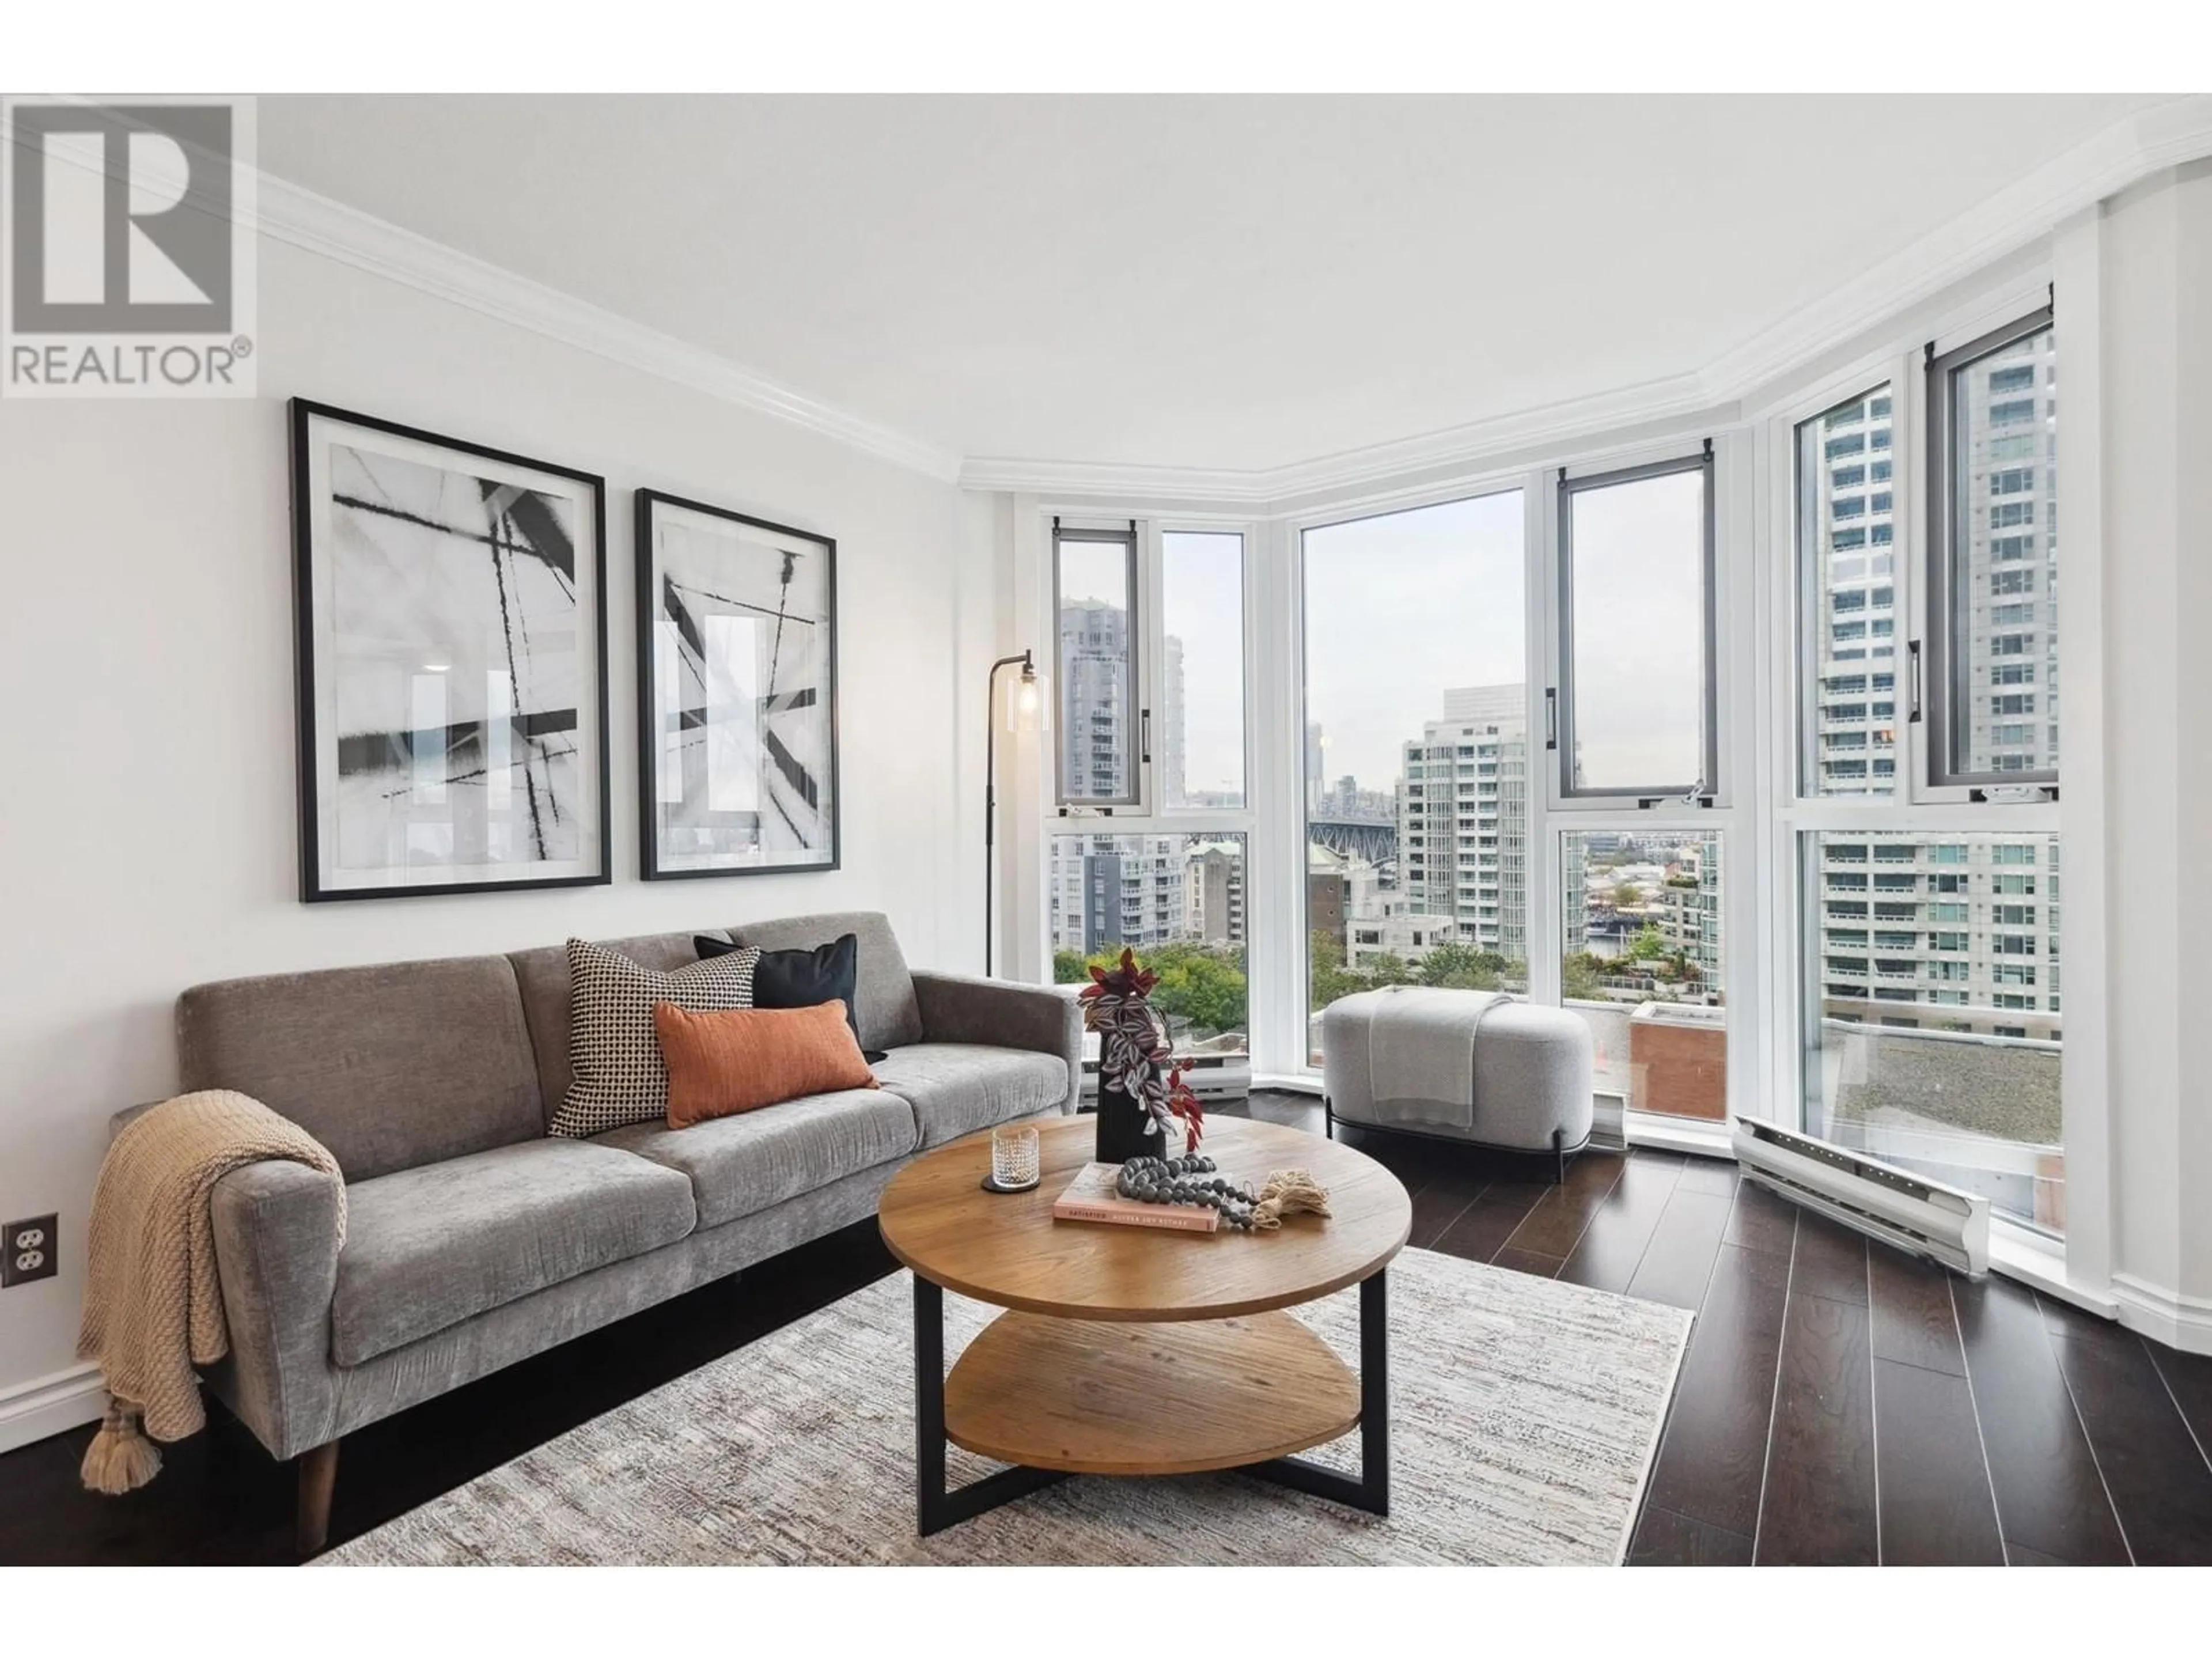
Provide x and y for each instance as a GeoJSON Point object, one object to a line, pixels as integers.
{"type": "Point", "coordinates": [318, 1478]}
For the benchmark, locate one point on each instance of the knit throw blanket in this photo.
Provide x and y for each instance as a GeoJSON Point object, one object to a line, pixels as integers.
{"type": "Point", "coordinates": [153, 1304]}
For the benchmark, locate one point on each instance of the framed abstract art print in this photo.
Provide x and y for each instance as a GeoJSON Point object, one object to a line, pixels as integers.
{"type": "Point", "coordinates": [736, 693]}
{"type": "Point", "coordinates": [451, 613]}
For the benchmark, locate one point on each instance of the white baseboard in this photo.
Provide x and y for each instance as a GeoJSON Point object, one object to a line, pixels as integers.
{"type": "Point", "coordinates": [2164, 1316]}
{"type": "Point", "coordinates": [50, 1405]}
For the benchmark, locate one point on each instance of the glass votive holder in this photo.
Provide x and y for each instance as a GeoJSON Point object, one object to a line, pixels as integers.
{"type": "Point", "coordinates": [1014, 1163]}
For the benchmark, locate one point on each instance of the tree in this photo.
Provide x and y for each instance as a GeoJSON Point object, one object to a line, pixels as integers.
{"type": "Point", "coordinates": [1626, 894]}
{"type": "Point", "coordinates": [1578, 977]}
{"type": "Point", "coordinates": [1202, 987]}
{"type": "Point", "coordinates": [1330, 979]}
{"type": "Point", "coordinates": [1463, 967]}
{"type": "Point", "coordinates": [1649, 944]}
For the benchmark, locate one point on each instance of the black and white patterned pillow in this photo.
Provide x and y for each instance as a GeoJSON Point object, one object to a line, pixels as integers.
{"type": "Point", "coordinates": [615, 1069]}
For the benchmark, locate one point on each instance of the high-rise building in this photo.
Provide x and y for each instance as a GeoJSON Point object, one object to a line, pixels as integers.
{"type": "Point", "coordinates": [1096, 703]}
{"type": "Point", "coordinates": [1172, 736]}
{"type": "Point", "coordinates": [1317, 761]}
{"type": "Point", "coordinates": [1110, 890]}
{"type": "Point", "coordinates": [1214, 904]}
{"type": "Point", "coordinates": [1855, 716]}
{"type": "Point", "coordinates": [1463, 818]}
{"type": "Point", "coordinates": [1945, 932]}
{"type": "Point", "coordinates": [1690, 909]}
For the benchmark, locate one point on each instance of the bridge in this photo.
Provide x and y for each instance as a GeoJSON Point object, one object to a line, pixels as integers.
{"type": "Point", "coordinates": [1375, 839]}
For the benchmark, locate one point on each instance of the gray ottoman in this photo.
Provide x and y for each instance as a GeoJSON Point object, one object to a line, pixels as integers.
{"type": "Point", "coordinates": [1467, 1065]}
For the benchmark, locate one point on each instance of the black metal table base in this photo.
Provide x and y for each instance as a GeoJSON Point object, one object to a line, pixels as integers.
{"type": "Point", "coordinates": [938, 1508]}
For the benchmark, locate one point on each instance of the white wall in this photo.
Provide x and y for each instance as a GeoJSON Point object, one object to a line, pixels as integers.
{"type": "Point", "coordinates": [148, 834]}
{"type": "Point", "coordinates": [2156, 338]}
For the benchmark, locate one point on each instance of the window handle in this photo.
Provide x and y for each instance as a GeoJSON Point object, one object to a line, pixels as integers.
{"type": "Point", "coordinates": [1912, 659]}
{"type": "Point", "coordinates": [1144, 735]}
{"type": "Point", "coordinates": [1550, 717]}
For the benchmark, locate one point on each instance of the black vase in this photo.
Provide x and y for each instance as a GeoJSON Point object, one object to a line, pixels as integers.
{"type": "Point", "coordinates": [1124, 1126]}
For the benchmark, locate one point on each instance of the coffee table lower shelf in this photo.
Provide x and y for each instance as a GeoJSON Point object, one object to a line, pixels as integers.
{"type": "Point", "coordinates": [1056, 1396]}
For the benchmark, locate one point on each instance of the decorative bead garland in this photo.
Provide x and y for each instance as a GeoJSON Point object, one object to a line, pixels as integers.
{"type": "Point", "coordinates": [1182, 1180]}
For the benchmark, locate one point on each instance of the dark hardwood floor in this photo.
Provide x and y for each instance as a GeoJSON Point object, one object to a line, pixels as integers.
{"type": "Point", "coordinates": [1839, 1403]}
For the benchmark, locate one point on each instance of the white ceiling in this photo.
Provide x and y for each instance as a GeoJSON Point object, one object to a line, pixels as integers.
{"type": "Point", "coordinates": [1222, 282]}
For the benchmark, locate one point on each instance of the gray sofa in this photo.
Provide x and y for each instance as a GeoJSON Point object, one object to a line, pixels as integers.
{"type": "Point", "coordinates": [474, 1240]}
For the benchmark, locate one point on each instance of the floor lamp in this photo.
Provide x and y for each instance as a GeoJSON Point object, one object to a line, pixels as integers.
{"type": "Point", "coordinates": [1026, 710]}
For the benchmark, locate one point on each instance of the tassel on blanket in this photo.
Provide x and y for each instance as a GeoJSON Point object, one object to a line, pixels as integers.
{"type": "Point", "coordinates": [120, 1458]}
{"type": "Point", "coordinates": [1288, 1191]}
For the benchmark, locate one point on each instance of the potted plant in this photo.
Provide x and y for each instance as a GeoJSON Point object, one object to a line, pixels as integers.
{"type": "Point", "coordinates": [1140, 1090]}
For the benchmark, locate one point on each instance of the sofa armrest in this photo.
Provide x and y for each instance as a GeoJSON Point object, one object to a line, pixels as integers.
{"type": "Point", "coordinates": [277, 1252]}
{"type": "Point", "coordinates": [960, 1008]}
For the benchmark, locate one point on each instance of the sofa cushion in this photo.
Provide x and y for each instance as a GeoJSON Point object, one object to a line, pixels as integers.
{"type": "Point", "coordinates": [739, 1060]}
{"type": "Point", "coordinates": [957, 1088]}
{"type": "Point", "coordinates": [391, 1066]}
{"type": "Point", "coordinates": [616, 1074]}
{"type": "Point", "coordinates": [740, 1166]}
{"type": "Point", "coordinates": [888, 1011]}
{"type": "Point", "coordinates": [542, 977]}
{"type": "Point", "coordinates": [430, 1247]}
{"type": "Point", "coordinates": [802, 979]}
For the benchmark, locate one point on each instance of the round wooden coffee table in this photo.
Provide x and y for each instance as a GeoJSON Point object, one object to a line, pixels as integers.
{"type": "Point", "coordinates": [1138, 1350]}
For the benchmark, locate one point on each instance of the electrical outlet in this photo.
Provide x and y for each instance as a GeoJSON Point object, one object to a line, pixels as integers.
{"type": "Point", "coordinates": [28, 1249]}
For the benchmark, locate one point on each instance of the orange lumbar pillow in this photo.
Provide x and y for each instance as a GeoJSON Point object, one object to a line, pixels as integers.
{"type": "Point", "coordinates": [736, 1060]}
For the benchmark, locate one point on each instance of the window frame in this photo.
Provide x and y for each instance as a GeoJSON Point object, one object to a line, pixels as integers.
{"type": "Point", "coordinates": [1706, 790]}
{"type": "Point", "coordinates": [1932, 652]}
{"type": "Point", "coordinates": [1153, 536]}
{"type": "Point", "coordinates": [1126, 535]}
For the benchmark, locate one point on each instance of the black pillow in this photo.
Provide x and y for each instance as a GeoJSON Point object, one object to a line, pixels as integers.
{"type": "Point", "coordinates": [804, 979]}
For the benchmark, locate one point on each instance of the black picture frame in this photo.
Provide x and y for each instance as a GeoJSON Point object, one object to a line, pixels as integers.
{"type": "Point", "coordinates": [307, 511]}
{"type": "Point", "coordinates": [652, 862]}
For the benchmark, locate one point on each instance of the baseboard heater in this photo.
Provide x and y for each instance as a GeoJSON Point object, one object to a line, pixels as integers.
{"type": "Point", "coordinates": [1926, 1217]}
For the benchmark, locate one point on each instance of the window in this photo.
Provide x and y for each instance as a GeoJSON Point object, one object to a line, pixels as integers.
{"type": "Point", "coordinates": [1835, 726]}
{"type": "Point", "coordinates": [1647, 974]}
{"type": "Point", "coordinates": [1635, 705]}
{"type": "Point", "coordinates": [1976, 422]}
{"type": "Point", "coordinates": [1971, 1099]}
{"type": "Point", "coordinates": [1200, 690]}
{"type": "Point", "coordinates": [1417, 751]}
{"type": "Point", "coordinates": [1095, 574]}
{"type": "Point", "coordinates": [1176, 899]}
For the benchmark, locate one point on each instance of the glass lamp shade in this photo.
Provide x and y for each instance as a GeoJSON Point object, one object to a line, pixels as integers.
{"type": "Point", "coordinates": [1026, 705]}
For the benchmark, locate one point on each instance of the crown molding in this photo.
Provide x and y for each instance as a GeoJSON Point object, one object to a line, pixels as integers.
{"type": "Point", "coordinates": [2102, 164]}
{"type": "Point", "coordinates": [292, 214]}
{"type": "Point", "coordinates": [282, 212]}
{"type": "Point", "coordinates": [1272, 487]}
{"type": "Point", "coordinates": [2164, 135]}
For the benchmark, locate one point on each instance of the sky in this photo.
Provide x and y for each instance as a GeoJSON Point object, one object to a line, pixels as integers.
{"type": "Point", "coordinates": [1400, 608]}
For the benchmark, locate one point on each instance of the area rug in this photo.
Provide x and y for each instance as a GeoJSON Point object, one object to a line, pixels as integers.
{"type": "Point", "coordinates": [1524, 1417]}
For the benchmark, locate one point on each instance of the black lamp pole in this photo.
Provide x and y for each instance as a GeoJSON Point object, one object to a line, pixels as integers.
{"type": "Point", "coordinates": [1028, 662]}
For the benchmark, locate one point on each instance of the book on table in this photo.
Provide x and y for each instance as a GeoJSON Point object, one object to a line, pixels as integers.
{"type": "Point", "coordinates": [1091, 1197]}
